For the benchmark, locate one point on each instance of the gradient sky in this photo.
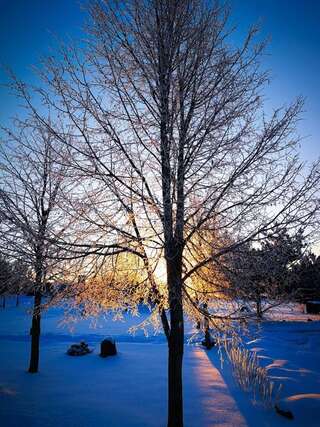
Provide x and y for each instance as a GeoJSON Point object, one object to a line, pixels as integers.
{"type": "Point", "coordinates": [27, 28]}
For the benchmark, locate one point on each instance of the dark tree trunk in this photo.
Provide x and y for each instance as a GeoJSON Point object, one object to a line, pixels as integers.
{"type": "Point", "coordinates": [259, 309]}
{"type": "Point", "coordinates": [176, 342]}
{"type": "Point", "coordinates": [17, 300]}
{"type": "Point", "coordinates": [207, 336]}
{"type": "Point", "coordinates": [3, 301]}
{"type": "Point", "coordinates": [35, 334]}
{"type": "Point", "coordinates": [175, 395]}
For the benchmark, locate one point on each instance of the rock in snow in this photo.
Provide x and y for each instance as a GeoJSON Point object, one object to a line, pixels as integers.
{"type": "Point", "coordinates": [108, 347]}
{"type": "Point", "coordinates": [79, 349]}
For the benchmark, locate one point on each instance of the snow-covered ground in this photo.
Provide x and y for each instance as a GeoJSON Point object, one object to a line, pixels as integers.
{"type": "Point", "coordinates": [130, 389]}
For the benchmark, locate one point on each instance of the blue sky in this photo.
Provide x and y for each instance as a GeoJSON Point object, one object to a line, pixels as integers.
{"type": "Point", "coordinates": [27, 28]}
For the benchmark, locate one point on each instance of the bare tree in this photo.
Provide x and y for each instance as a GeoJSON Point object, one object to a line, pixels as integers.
{"type": "Point", "coordinates": [164, 120]}
{"type": "Point", "coordinates": [13, 278]}
{"type": "Point", "coordinates": [5, 279]}
{"type": "Point", "coordinates": [31, 184]}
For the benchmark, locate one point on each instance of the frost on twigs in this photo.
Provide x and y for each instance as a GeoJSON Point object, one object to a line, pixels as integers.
{"type": "Point", "coordinates": [151, 323]}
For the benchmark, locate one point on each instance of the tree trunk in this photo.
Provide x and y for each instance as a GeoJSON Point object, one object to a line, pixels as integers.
{"type": "Point", "coordinates": [35, 334]}
{"type": "Point", "coordinates": [259, 310]}
{"type": "Point", "coordinates": [176, 342]}
{"type": "Point", "coordinates": [17, 300]}
{"type": "Point", "coordinates": [3, 301]}
{"type": "Point", "coordinates": [175, 395]}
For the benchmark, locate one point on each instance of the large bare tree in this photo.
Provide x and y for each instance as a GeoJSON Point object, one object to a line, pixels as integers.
{"type": "Point", "coordinates": [31, 184]}
{"type": "Point", "coordinates": [164, 119]}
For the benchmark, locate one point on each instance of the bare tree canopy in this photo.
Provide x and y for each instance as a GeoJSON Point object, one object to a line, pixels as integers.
{"type": "Point", "coordinates": [31, 187]}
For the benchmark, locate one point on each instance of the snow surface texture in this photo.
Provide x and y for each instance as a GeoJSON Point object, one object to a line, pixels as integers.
{"type": "Point", "coordinates": [129, 390]}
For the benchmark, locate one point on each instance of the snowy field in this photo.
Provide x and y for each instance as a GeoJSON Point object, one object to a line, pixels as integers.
{"type": "Point", "coordinates": [129, 390]}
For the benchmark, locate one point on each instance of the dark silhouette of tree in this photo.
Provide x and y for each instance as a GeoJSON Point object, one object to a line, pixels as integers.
{"type": "Point", "coordinates": [5, 279]}
{"type": "Point", "coordinates": [263, 274]}
{"type": "Point", "coordinates": [305, 278]}
{"type": "Point", "coordinates": [30, 186]}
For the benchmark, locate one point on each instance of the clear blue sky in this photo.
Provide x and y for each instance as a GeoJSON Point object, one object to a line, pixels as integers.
{"type": "Point", "coordinates": [26, 28]}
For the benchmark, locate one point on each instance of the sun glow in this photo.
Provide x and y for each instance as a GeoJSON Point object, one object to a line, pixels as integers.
{"type": "Point", "coordinates": [160, 271]}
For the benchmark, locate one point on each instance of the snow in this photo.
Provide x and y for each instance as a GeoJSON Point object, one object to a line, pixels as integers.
{"type": "Point", "coordinates": [129, 389]}
{"type": "Point", "coordinates": [291, 353]}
